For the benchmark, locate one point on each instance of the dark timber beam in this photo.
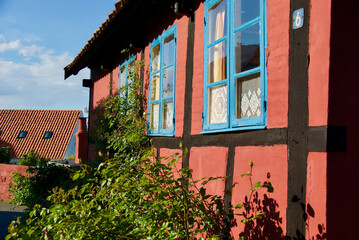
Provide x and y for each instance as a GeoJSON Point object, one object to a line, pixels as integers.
{"type": "Point", "coordinates": [188, 92]}
{"type": "Point", "coordinates": [298, 122]}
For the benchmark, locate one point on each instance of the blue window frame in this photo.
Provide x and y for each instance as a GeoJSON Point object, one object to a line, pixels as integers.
{"type": "Point", "coordinates": [162, 93]}
{"type": "Point", "coordinates": [234, 65]}
{"type": "Point", "coordinates": [126, 68]}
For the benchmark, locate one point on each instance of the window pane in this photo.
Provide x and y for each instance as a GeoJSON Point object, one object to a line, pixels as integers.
{"type": "Point", "coordinates": [244, 11]}
{"type": "Point", "coordinates": [167, 114]}
{"type": "Point", "coordinates": [155, 65]}
{"type": "Point", "coordinates": [155, 88]}
{"type": "Point", "coordinates": [47, 135]}
{"type": "Point", "coordinates": [122, 76]}
{"type": "Point", "coordinates": [22, 134]}
{"type": "Point", "coordinates": [217, 104]}
{"type": "Point", "coordinates": [217, 65]}
{"type": "Point", "coordinates": [247, 49]}
{"type": "Point", "coordinates": [217, 21]}
{"type": "Point", "coordinates": [169, 50]}
{"type": "Point", "coordinates": [248, 96]}
{"type": "Point", "coordinates": [154, 116]}
{"type": "Point", "coordinates": [167, 88]}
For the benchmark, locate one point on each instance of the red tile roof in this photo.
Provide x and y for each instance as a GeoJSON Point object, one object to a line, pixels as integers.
{"type": "Point", "coordinates": [36, 122]}
{"type": "Point", "coordinates": [119, 5]}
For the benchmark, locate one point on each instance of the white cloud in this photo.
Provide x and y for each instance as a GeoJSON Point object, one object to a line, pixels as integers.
{"type": "Point", "coordinates": [36, 79]}
{"type": "Point", "coordinates": [13, 45]}
{"type": "Point", "coordinates": [31, 51]}
{"type": "Point", "coordinates": [28, 37]}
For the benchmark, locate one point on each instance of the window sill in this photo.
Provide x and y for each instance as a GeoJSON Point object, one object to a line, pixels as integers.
{"type": "Point", "coordinates": [236, 129]}
{"type": "Point", "coordinates": [160, 135]}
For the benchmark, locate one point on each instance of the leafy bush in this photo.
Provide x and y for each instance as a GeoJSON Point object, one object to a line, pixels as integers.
{"type": "Point", "coordinates": [131, 194]}
{"type": "Point", "coordinates": [20, 189]}
{"type": "Point", "coordinates": [33, 159]}
{"type": "Point", "coordinates": [139, 198]}
{"type": "Point", "coordinates": [40, 178]}
{"type": "Point", "coordinates": [5, 154]}
{"type": "Point", "coordinates": [120, 122]}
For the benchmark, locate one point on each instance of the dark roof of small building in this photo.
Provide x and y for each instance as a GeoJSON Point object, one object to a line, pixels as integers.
{"type": "Point", "coordinates": [119, 5]}
{"type": "Point", "coordinates": [61, 123]}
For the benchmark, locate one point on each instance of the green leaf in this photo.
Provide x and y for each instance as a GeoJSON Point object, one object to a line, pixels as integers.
{"type": "Point", "coordinates": [245, 174]}
{"type": "Point", "coordinates": [185, 151]}
{"type": "Point", "coordinates": [76, 176]}
{"type": "Point", "coordinates": [30, 231]}
{"type": "Point", "coordinates": [172, 162]}
{"type": "Point", "coordinates": [238, 206]}
{"type": "Point", "coordinates": [269, 187]}
{"type": "Point", "coordinates": [32, 213]}
{"type": "Point", "coordinates": [260, 214]}
{"type": "Point", "coordinates": [83, 188]}
{"type": "Point", "coordinates": [126, 50]}
{"type": "Point", "coordinates": [257, 185]}
{"type": "Point", "coordinates": [202, 191]}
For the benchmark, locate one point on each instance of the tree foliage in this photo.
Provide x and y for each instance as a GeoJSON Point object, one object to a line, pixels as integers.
{"type": "Point", "coordinates": [119, 122]}
{"type": "Point", "coordinates": [5, 154]}
{"type": "Point", "coordinates": [32, 158]}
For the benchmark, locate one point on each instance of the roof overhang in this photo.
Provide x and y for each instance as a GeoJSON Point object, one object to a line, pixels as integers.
{"type": "Point", "coordinates": [124, 27]}
{"type": "Point", "coordinates": [80, 61]}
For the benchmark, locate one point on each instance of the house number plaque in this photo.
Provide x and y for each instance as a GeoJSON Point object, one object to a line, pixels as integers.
{"type": "Point", "coordinates": [298, 18]}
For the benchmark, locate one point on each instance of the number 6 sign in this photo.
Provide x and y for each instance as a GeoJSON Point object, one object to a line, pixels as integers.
{"type": "Point", "coordinates": [298, 18]}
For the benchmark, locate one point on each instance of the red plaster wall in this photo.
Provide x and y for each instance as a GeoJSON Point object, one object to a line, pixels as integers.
{"type": "Point", "coordinates": [146, 76]}
{"type": "Point", "coordinates": [209, 162]}
{"type": "Point", "coordinates": [197, 85]}
{"type": "Point", "coordinates": [270, 161]}
{"type": "Point", "coordinates": [166, 152]}
{"type": "Point", "coordinates": [318, 73]}
{"type": "Point", "coordinates": [5, 176]}
{"type": "Point", "coordinates": [277, 62]}
{"type": "Point", "coordinates": [316, 193]}
{"type": "Point", "coordinates": [101, 85]}
{"type": "Point", "coordinates": [100, 89]}
{"type": "Point", "coordinates": [182, 35]}
{"type": "Point", "coordinates": [115, 79]}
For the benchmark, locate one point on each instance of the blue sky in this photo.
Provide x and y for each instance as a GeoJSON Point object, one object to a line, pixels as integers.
{"type": "Point", "coordinates": [38, 39]}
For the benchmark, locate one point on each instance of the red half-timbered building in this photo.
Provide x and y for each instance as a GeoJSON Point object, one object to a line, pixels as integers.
{"type": "Point", "coordinates": [238, 80]}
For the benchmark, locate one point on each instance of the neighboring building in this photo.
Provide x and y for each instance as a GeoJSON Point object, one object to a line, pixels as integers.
{"type": "Point", "coordinates": [233, 80]}
{"type": "Point", "coordinates": [54, 134]}
{"type": "Point", "coordinates": [50, 133]}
